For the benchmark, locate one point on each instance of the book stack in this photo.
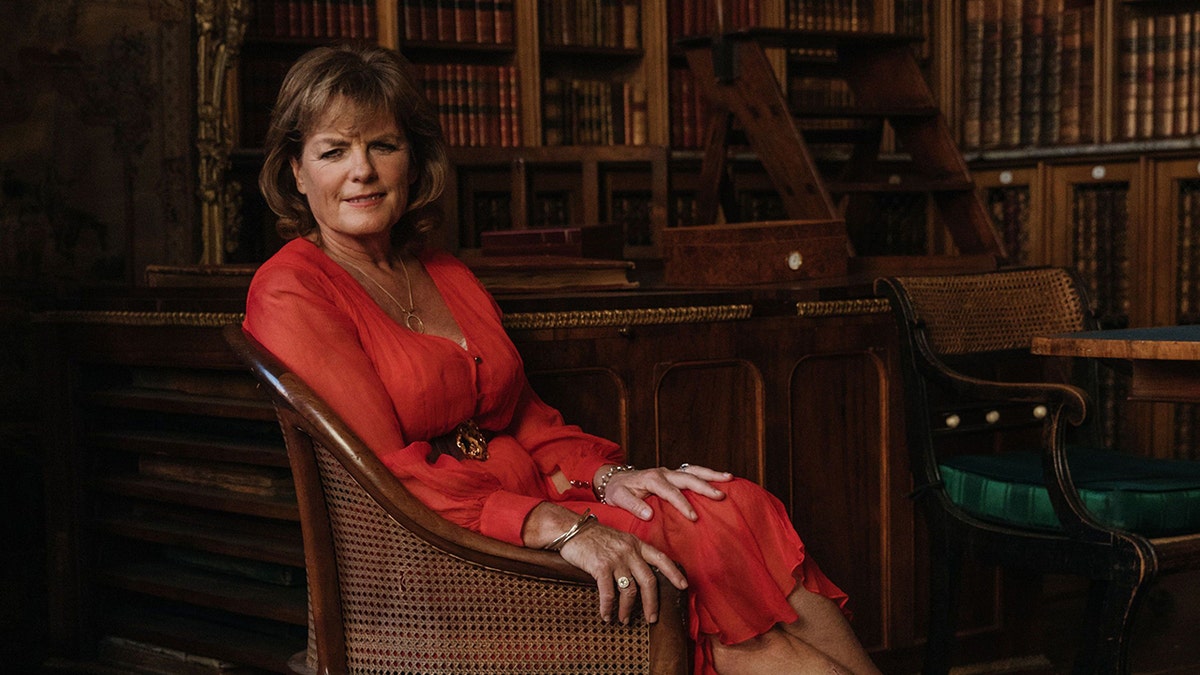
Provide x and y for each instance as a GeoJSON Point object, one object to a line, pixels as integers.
{"type": "Point", "coordinates": [457, 21]}
{"type": "Point", "coordinates": [477, 105]}
{"type": "Point", "coordinates": [315, 19]}
{"type": "Point", "coordinates": [1158, 75]}
{"type": "Point", "coordinates": [590, 23]}
{"type": "Point", "coordinates": [593, 112]}
{"type": "Point", "coordinates": [576, 258]}
{"type": "Point", "coordinates": [1028, 74]}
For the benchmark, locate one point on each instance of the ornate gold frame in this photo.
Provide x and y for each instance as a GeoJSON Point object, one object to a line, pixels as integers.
{"type": "Point", "coordinates": [220, 29]}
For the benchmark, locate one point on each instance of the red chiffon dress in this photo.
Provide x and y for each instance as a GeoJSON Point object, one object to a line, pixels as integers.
{"type": "Point", "coordinates": [397, 389]}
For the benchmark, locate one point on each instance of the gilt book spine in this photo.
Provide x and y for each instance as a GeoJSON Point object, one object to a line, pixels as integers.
{"type": "Point", "coordinates": [1033, 16]}
{"type": "Point", "coordinates": [1050, 130]}
{"type": "Point", "coordinates": [1010, 75]}
{"type": "Point", "coordinates": [1145, 81]}
{"type": "Point", "coordinates": [1183, 64]}
{"type": "Point", "coordinates": [1164, 75]}
{"type": "Point", "coordinates": [973, 75]}
{"type": "Point", "coordinates": [1128, 73]}
{"type": "Point", "coordinates": [992, 67]}
{"type": "Point", "coordinates": [1068, 130]}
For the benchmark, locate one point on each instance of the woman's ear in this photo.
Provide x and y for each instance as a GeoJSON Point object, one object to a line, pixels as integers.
{"type": "Point", "coordinates": [296, 175]}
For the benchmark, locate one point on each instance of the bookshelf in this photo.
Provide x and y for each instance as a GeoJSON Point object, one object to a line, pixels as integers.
{"type": "Point", "coordinates": [552, 85]}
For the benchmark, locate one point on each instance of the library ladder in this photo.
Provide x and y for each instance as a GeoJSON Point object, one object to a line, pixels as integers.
{"type": "Point", "coordinates": [734, 74]}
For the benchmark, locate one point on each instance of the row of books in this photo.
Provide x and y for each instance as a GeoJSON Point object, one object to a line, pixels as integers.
{"type": "Point", "coordinates": [1028, 71]}
{"type": "Point", "coordinates": [314, 19]}
{"type": "Point", "coordinates": [1187, 257]}
{"type": "Point", "coordinates": [1010, 210]}
{"type": "Point", "coordinates": [688, 109]}
{"type": "Point", "coordinates": [591, 23]}
{"type": "Point", "coordinates": [694, 17]}
{"type": "Point", "coordinates": [457, 21]}
{"type": "Point", "coordinates": [1158, 75]}
{"type": "Point", "coordinates": [477, 105]}
{"type": "Point", "coordinates": [1100, 218]}
{"type": "Point", "coordinates": [855, 15]}
{"type": "Point", "coordinates": [593, 112]}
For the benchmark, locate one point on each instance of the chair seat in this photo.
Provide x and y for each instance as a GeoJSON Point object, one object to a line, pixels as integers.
{"type": "Point", "coordinates": [1152, 497]}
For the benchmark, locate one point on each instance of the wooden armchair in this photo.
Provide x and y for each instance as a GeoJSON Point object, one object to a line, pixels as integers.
{"type": "Point", "coordinates": [395, 588]}
{"type": "Point", "coordinates": [1006, 462]}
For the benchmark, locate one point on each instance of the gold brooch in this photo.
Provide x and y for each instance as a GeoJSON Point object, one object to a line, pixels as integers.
{"type": "Point", "coordinates": [471, 441]}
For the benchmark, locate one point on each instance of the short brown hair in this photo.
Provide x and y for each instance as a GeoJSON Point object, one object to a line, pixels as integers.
{"type": "Point", "coordinates": [370, 79]}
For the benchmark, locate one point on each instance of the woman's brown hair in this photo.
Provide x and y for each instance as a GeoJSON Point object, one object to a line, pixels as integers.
{"type": "Point", "coordinates": [365, 80]}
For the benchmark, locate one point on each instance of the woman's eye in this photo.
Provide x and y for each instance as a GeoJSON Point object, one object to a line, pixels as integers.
{"type": "Point", "coordinates": [387, 147]}
{"type": "Point", "coordinates": [332, 153]}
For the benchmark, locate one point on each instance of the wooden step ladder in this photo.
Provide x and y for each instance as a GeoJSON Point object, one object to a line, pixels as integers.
{"type": "Point", "coordinates": [735, 76]}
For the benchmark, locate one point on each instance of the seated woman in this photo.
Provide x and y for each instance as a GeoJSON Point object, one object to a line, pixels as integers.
{"type": "Point", "coordinates": [406, 345]}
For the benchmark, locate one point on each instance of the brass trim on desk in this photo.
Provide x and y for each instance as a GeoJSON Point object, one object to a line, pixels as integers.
{"type": "Point", "coordinates": [820, 308]}
{"type": "Point", "coordinates": [626, 317]}
{"type": "Point", "coordinates": [124, 318]}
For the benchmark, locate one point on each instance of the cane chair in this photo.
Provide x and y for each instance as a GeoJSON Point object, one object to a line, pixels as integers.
{"type": "Point", "coordinates": [1006, 461]}
{"type": "Point", "coordinates": [395, 588]}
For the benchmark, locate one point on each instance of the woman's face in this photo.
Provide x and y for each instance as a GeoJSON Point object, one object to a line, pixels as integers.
{"type": "Point", "coordinates": [355, 171]}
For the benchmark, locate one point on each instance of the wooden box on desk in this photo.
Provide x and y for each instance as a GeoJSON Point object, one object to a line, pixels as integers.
{"type": "Point", "coordinates": [753, 253]}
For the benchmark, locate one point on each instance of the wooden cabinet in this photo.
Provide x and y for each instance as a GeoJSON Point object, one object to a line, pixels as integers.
{"type": "Point", "coordinates": [175, 531]}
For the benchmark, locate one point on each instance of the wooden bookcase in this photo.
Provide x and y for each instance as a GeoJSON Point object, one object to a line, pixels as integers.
{"type": "Point", "coordinates": [241, 230]}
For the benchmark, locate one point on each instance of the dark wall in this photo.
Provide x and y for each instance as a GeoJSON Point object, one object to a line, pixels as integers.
{"type": "Point", "coordinates": [96, 182]}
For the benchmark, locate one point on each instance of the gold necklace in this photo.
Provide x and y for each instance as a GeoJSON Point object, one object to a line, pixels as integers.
{"type": "Point", "coordinates": [411, 320]}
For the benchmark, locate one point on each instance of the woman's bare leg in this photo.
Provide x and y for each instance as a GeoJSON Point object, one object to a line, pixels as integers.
{"type": "Point", "coordinates": [775, 652]}
{"type": "Point", "coordinates": [823, 626]}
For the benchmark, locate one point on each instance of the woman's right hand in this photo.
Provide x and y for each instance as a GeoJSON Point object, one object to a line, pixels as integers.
{"type": "Point", "coordinates": [611, 555]}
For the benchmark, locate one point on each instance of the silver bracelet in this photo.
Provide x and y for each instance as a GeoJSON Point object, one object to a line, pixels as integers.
{"type": "Point", "coordinates": [580, 525]}
{"type": "Point", "coordinates": [602, 483]}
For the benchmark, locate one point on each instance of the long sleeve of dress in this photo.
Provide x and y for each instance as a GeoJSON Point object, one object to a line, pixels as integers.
{"type": "Point", "coordinates": [396, 389]}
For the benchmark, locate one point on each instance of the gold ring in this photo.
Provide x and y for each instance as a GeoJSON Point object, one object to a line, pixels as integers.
{"type": "Point", "coordinates": [623, 582]}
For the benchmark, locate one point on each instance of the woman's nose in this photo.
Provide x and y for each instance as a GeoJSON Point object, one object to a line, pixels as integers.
{"type": "Point", "coordinates": [361, 166]}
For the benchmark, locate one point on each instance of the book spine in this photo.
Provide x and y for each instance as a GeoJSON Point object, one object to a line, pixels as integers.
{"type": "Point", "coordinates": [1087, 73]}
{"type": "Point", "coordinates": [973, 75]}
{"type": "Point", "coordinates": [1049, 132]}
{"type": "Point", "coordinates": [1145, 82]}
{"type": "Point", "coordinates": [1183, 64]}
{"type": "Point", "coordinates": [1164, 75]}
{"type": "Point", "coordinates": [1069, 116]}
{"type": "Point", "coordinates": [1128, 73]}
{"type": "Point", "coordinates": [1010, 76]}
{"type": "Point", "coordinates": [1194, 78]}
{"type": "Point", "coordinates": [485, 21]}
{"type": "Point", "coordinates": [1033, 16]}
{"type": "Point", "coordinates": [992, 66]}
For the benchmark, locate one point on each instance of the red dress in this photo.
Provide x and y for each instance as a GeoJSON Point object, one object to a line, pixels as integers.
{"type": "Point", "coordinates": [398, 389]}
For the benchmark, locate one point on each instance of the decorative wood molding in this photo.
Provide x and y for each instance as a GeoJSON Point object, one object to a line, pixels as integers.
{"type": "Point", "coordinates": [123, 318]}
{"type": "Point", "coordinates": [822, 308]}
{"type": "Point", "coordinates": [626, 317]}
{"type": "Point", "coordinates": [220, 28]}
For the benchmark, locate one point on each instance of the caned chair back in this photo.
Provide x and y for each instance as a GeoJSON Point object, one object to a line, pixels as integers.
{"type": "Point", "coordinates": [396, 588]}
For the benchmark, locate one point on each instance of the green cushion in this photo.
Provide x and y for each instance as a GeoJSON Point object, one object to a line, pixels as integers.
{"type": "Point", "coordinates": [1153, 497]}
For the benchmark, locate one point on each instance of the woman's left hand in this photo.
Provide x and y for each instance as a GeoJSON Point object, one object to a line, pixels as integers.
{"type": "Point", "coordinates": [628, 489]}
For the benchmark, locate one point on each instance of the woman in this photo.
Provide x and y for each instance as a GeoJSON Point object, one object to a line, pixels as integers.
{"type": "Point", "coordinates": [408, 347]}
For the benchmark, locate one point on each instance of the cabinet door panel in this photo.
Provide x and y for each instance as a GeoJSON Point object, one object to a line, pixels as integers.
{"type": "Point", "coordinates": [595, 399]}
{"type": "Point", "coordinates": [838, 469]}
{"type": "Point", "coordinates": [709, 413]}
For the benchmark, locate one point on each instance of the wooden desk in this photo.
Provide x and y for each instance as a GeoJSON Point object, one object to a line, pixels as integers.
{"type": "Point", "coordinates": [1165, 360]}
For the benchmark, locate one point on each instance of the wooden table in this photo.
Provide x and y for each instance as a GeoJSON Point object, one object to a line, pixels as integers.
{"type": "Point", "coordinates": [1165, 360]}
